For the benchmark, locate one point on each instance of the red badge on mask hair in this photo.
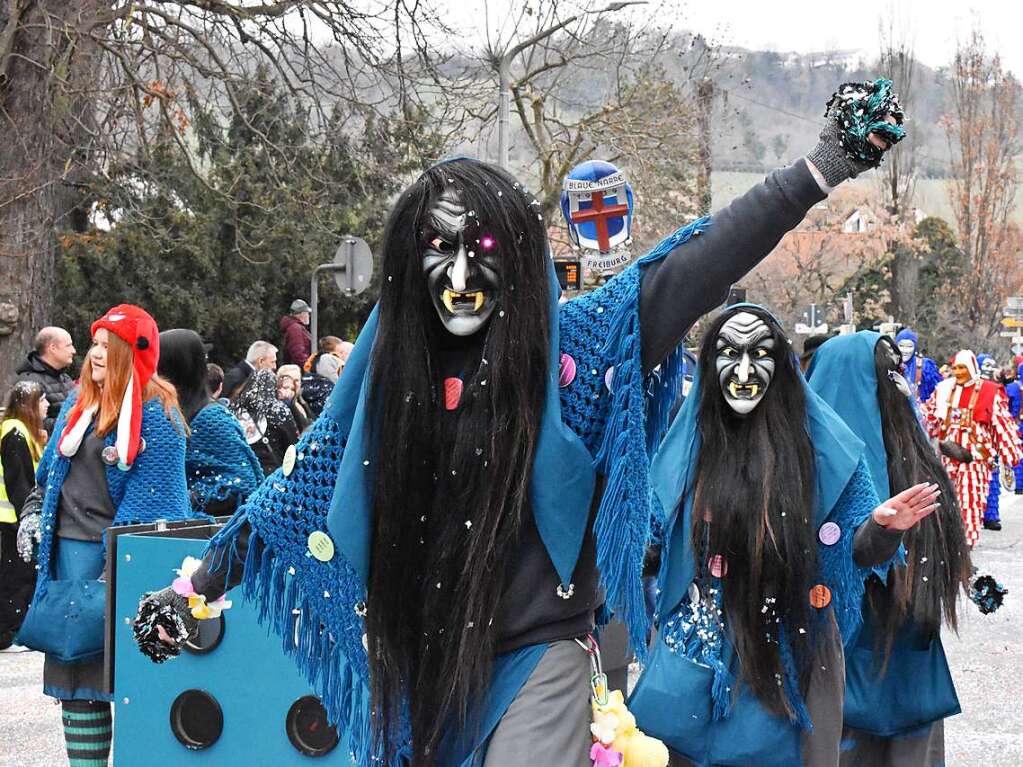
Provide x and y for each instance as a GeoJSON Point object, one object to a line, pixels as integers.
{"type": "Point", "coordinates": [452, 393]}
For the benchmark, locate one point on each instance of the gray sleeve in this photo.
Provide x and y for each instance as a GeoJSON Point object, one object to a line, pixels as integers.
{"type": "Point", "coordinates": [696, 276]}
{"type": "Point", "coordinates": [873, 545]}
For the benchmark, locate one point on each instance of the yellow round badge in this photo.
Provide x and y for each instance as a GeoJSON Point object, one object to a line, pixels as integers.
{"type": "Point", "coordinates": [321, 546]}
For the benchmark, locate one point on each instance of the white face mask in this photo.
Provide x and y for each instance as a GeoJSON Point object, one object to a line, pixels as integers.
{"type": "Point", "coordinates": [744, 361]}
{"type": "Point", "coordinates": [460, 266]}
{"type": "Point", "coordinates": [988, 369]}
{"type": "Point", "coordinates": [907, 348]}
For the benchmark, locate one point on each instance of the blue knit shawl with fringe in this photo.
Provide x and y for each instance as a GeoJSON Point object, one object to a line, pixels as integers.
{"type": "Point", "coordinates": [219, 464]}
{"type": "Point", "coordinates": [586, 429]}
{"type": "Point", "coordinates": [845, 496]}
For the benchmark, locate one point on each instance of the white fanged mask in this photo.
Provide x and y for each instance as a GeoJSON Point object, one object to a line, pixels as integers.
{"type": "Point", "coordinates": [744, 361]}
{"type": "Point", "coordinates": [460, 263]}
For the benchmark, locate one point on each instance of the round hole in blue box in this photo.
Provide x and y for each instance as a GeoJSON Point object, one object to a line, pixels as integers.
{"type": "Point", "coordinates": [308, 729]}
{"type": "Point", "coordinates": [211, 634]}
{"type": "Point", "coordinates": [196, 719]}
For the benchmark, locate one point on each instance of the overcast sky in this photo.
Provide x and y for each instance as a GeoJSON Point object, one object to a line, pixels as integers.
{"type": "Point", "coordinates": [935, 24]}
{"type": "Point", "coordinates": [783, 25]}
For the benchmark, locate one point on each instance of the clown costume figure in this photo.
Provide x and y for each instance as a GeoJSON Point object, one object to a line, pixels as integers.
{"type": "Point", "coordinates": [920, 372]}
{"type": "Point", "coordinates": [898, 688]}
{"type": "Point", "coordinates": [969, 416]}
{"type": "Point", "coordinates": [476, 489]}
{"type": "Point", "coordinates": [774, 524]}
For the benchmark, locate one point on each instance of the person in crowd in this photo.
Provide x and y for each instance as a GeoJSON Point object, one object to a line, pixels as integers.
{"type": "Point", "coordinates": [969, 416]}
{"type": "Point", "coordinates": [988, 367]}
{"type": "Point", "coordinates": [116, 457]}
{"type": "Point", "coordinates": [322, 371]}
{"type": "Point", "coordinates": [1013, 377]}
{"type": "Point", "coordinates": [221, 470]}
{"type": "Point", "coordinates": [920, 372]}
{"type": "Point", "coordinates": [22, 438]}
{"type": "Point", "coordinates": [215, 382]}
{"type": "Point", "coordinates": [297, 341]}
{"type": "Point", "coordinates": [289, 391]}
{"type": "Point", "coordinates": [262, 355]}
{"type": "Point", "coordinates": [810, 346]}
{"type": "Point", "coordinates": [992, 517]}
{"type": "Point", "coordinates": [765, 557]}
{"type": "Point", "coordinates": [267, 423]}
{"type": "Point", "coordinates": [47, 364]}
{"type": "Point", "coordinates": [479, 422]}
{"type": "Point", "coordinates": [899, 646]}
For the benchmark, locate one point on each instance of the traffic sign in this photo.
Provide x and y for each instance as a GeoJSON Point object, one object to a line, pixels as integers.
{"type": "Point", "coordinates": [354, 254]}
{"type": "Point", "coordinates": [1013, 334]}
{"type": "Point", "coordinates": [805, 330]}
{"type": "Point", "coordinates": [1012, 322]}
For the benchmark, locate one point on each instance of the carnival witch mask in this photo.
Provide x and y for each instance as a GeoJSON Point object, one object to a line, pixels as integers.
{"type": "Point", "coordinates": [988, 368]}
{"type": "Point", "coordinates": [745, 361]}
{"type": "Point", "coordinates": [460, 265]}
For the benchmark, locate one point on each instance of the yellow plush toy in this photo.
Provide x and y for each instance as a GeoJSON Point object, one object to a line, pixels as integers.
{"type": "Point", "coordinates": [617, 740]}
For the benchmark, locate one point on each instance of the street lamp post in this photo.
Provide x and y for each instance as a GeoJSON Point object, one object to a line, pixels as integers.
{"type": "Point", "coordinates": [504, 74]}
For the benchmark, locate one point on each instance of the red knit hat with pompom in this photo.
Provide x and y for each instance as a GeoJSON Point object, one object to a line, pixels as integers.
{"type": "Point", "coordinates": [138, 329]}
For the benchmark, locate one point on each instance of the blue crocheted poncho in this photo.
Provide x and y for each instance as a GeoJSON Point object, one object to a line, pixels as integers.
{"type": "Point", "coordinates": [153, 488]}
{"type": "Point", "coordinates": [604, 420]}
{"type": "Point", "coordinates": [219, 464]}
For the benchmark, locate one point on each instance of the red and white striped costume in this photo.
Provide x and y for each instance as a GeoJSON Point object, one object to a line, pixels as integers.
{"type": "Point", "coordinates": [987, 430]}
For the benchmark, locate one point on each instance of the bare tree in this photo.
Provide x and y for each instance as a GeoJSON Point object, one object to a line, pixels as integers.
{"type": "Point", "coordinates": [85, 85]}
{"type": "Point", "coordinates": [897, 177]}
{"type": "Point", "coordinates": [982, 129]}
{"type": "Point", "coordinates": [598, 90]}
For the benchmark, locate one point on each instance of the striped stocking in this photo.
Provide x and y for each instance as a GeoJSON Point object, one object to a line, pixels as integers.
{"type": "Point", "coordinates": [87, 732]}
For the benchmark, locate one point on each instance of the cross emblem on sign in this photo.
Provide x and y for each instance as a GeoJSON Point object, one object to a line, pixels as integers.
{"type": "Point", "coordinates": [599, 214]}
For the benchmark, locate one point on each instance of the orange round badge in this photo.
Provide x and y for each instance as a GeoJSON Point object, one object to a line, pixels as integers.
{"type": "Point", "coordinates": [820, 596]}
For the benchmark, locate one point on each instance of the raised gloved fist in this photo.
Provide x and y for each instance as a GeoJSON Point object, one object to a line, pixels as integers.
{"type": "Point", "coordinates": [863, 121]}
{"type": "Point", "coordinates": [29, 534]}
{"type": "Point", "coordinates": [164, 622]}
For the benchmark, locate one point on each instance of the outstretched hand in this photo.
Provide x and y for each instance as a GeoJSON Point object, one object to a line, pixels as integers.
{"type": "Point", "coordinates": [908, 507]}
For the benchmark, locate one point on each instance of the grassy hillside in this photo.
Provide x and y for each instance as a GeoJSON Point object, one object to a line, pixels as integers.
{"type": "Point", "coordinates": [931, 193]}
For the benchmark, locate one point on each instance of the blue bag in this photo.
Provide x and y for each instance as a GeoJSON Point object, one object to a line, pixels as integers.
{"type": "Point", "coordinates": [673, 702]}
{"type": "Point", "coordinates": [916, 690]}
{"type": "Point", "coordinates": [67, 617]}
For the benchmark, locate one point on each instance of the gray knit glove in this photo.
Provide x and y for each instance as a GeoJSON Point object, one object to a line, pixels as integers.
{"type": "Point", "coordinates": [29, 534]}
{"type": "Point", "coordinates": [832, 160]}
{"type": "Point", "coordinates": [169, 610]}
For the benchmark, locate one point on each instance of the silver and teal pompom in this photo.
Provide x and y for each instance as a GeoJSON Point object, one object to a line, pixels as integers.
{"type": "Point", "coordinates": [861, 109]}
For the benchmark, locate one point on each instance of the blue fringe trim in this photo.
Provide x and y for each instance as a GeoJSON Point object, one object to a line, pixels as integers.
{"type": "Point", "coordinates": [622, 526]}
{"type": "Point", "coordinates": [306, 640]}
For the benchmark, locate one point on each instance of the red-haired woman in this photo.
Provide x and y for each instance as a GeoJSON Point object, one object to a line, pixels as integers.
{"type": "Point", "coordinates": [117, 457]}
{"type": "Point", "coordinates": [22, 438]}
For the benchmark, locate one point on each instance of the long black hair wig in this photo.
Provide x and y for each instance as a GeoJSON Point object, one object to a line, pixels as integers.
{"type": "Point", "coordinates": [926, 590]}
{"type": "Point", "coordinates": [753, 504]}
{"type": "Point", "coordinates": [452, 487]}
{"type": "Point", "coordinates": [183, 363]}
